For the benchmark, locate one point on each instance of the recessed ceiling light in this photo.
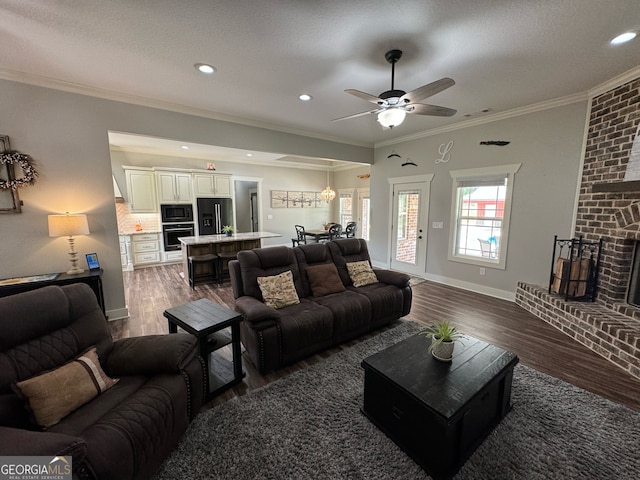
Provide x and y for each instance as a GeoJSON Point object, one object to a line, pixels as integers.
{"type": "Point", "coordinates": [204, 68]}
{"type": "Point", "coordinates": [249, 154]}
{"type": "Point", "coordinates": [184, 147]}
{"type": "Point", "coordinates": [623, 38]}
{"type": "Point", "coordinates": [305, 98]}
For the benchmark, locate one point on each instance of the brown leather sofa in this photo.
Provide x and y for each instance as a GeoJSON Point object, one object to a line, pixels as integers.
{"type": "Point", "coordinates": [274, 337]}
{"type": "Point", "coordinates": [124, 432]}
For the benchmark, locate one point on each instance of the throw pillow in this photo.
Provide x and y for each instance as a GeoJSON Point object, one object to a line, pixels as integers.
{"type": "Point", "coordinates": [279, 291]}
{"type": "Point", "coordinates": [324, 279]}
{"type": "Point", "coordinates": [53, 395]}
{"type": "Point", "coordinates": [361, 273]}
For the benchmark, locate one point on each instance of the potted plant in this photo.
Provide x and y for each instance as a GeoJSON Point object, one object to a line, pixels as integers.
{"type": "Point", "coordinates": [443, 337]}
{"type": "Point", "coordinates": [228, 229]}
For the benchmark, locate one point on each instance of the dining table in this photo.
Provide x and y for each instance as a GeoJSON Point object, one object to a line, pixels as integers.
{"type": "Point", "coordinates": [317, 234]}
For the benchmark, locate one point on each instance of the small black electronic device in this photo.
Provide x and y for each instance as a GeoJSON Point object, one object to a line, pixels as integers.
{"type": "Point", "coordinates": [92, 261]}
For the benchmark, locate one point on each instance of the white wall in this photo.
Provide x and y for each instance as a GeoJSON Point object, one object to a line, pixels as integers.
{"type": "Point", "coordinates": [547, 143]}
{"type": "Point", "coordinates": [66, 134]}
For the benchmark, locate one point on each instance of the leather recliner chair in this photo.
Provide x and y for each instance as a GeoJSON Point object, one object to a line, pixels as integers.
{"type": "Point", "coordinates": [124, 432]}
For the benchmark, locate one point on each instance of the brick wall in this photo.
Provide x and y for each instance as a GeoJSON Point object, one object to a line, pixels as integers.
{"type": "Point", "coordinates": [615, 116]}
{"type": "Point", "coordinates": [610, 326]}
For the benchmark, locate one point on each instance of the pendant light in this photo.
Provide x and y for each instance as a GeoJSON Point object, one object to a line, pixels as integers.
{"type": "Point", "coordinates": [328, 194]}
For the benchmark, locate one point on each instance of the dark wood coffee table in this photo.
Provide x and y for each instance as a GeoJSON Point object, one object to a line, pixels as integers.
{"type": "Point", "coordinates": [438, 412]}
{"type": "Point", "coordinates": [216, 327]}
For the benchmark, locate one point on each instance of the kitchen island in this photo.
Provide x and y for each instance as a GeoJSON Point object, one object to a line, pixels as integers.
{"type": "Point", "coordinates": [204, 244]}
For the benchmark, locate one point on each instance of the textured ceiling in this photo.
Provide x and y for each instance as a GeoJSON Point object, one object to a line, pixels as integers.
{"type": "Point", "coordinates": [502, 54]}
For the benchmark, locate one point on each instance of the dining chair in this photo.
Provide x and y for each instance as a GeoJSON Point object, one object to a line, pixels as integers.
{"type": "Point", "coordinates": [300, 236]}
{"type": "Point", "coordinates": [350, 230]}
{"type": "Point", "coordinates": [335, 231]}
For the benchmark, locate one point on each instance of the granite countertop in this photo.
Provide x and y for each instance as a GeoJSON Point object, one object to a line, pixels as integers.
{"type": "Point", "coordinates": [236, 237]}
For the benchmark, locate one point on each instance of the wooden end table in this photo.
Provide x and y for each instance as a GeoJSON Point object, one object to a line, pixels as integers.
{"type": "Point", "coordinates": [438, 412]}
{"type": "Point", "coordinates": [215, 327]}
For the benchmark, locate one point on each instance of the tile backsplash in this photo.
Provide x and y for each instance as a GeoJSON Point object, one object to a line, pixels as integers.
{"type": "Point", "coordinates": [127, 221]}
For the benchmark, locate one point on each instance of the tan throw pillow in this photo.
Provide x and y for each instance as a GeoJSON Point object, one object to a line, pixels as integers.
{"type": "Point", "coordinates": [361, 273]}
{"type": "Point", "coordinates": [53, 395]}
{"type": "Point", "coordinates": [279, 291]}
{"type": "Point", "coordinates": [324, 279]}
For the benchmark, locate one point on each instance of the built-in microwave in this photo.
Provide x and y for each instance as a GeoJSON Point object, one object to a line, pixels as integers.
{"type": "Point", "coordinates": [176, 213]}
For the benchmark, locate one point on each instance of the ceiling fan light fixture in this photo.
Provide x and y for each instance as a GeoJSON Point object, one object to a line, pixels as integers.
{"type": "Point", "coordinates": [391, 117]}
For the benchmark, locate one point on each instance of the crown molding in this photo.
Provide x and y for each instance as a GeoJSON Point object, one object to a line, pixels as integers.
{"type": "Point", "coordinates": [615, 82]}
{"type": "Point", "coordinates": [516, 112]}
{"type": "Point", "coordinates": [71, 87]}
{"type": "Point", "coordinates": [332, 166]}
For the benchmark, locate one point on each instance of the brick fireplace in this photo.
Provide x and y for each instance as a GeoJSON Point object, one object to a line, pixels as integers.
{"type": "Point", "coordinates": [608, 208]}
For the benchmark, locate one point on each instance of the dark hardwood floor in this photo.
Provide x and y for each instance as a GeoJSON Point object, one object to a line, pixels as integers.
{"type": "Point", "coordinates": [149, 291]}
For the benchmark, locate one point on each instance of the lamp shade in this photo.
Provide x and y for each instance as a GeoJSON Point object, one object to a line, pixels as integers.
{"type": "Point", "coordinates": [391, 117]}
{"type": "Point", "coordinates": [68, 225]}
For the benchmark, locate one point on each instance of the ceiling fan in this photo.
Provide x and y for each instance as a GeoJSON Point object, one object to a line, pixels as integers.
{"type": "Point", "coordinates": [393, 105]}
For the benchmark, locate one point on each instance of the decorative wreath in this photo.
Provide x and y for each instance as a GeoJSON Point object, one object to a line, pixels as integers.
{"type": "Point", "coordinates": [25, 162]}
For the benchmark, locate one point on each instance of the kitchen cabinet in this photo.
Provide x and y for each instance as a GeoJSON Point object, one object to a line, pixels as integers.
{"type": "Point", "coordinates": [174, 187]}
{"type": "Point", "coordinates": [145, 248]}
{"type": "Point", "coordinates": [125, 253]}
{"type": "Point", "coordinates": [172, 257]}
{"type": "Point", "coordinates": [212, 185]}
{"type": "Point", "coordinates": [141, 189]}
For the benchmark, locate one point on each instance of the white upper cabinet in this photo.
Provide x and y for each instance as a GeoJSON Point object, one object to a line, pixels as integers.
{"type": "Point", "coordinates": [141, 188]}
{"type": "Point", "coordinates": [212, 185]}
{"type": "Point", "coordinates": [174, 187]}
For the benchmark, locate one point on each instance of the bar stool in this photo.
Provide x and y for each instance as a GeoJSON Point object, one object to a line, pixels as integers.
{"type": "Point", "coordinates": [196, 260]}
{"type": "Point", "coordinates": [222, 258]}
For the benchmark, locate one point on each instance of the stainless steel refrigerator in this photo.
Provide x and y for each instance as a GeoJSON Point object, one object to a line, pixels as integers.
{"type": "Point", "coordinates": [213, 214]}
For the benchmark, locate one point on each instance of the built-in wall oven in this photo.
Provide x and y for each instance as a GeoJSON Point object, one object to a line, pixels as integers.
{"type": "Point", "coordinates": [173, 231]}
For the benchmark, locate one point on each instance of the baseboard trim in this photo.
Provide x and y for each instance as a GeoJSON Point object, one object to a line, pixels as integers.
{"type": "Point", "coordinates": [453, 282]}
{"type": "Point", "coordinates": [118, 314]}
{"type": "Point", "coordinates": [472, 287]}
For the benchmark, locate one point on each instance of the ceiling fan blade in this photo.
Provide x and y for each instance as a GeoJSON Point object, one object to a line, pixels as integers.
{"type": "Point", "coordinates": [357, 115]}
{"type": "Point", "coordinates": [435, 110]}
{"type": "Point", "coordinates": [365, 96]}
{"type": "Point", "coordinates": [427, 90]}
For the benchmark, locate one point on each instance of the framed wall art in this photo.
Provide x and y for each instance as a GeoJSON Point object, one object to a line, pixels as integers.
{"type": "Point", "coordinates": [286, 199]}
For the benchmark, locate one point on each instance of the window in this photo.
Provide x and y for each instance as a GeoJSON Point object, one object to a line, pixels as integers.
{"type": "Point", "coordinates": [480, 209]}
{"type": "Point", "coordinates": [346, 207]}
{"type": "Point", "coordinates": [402, 217]}
{"type": "Point", "coordinates": [363, 213]}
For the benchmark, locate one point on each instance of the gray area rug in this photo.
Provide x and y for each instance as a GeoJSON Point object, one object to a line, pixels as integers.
{"type": "Point", "coordinates": [309, 426]}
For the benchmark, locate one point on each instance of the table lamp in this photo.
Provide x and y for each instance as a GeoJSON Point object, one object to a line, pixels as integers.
{"type": "Point", "coordinates": [69, 225]}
